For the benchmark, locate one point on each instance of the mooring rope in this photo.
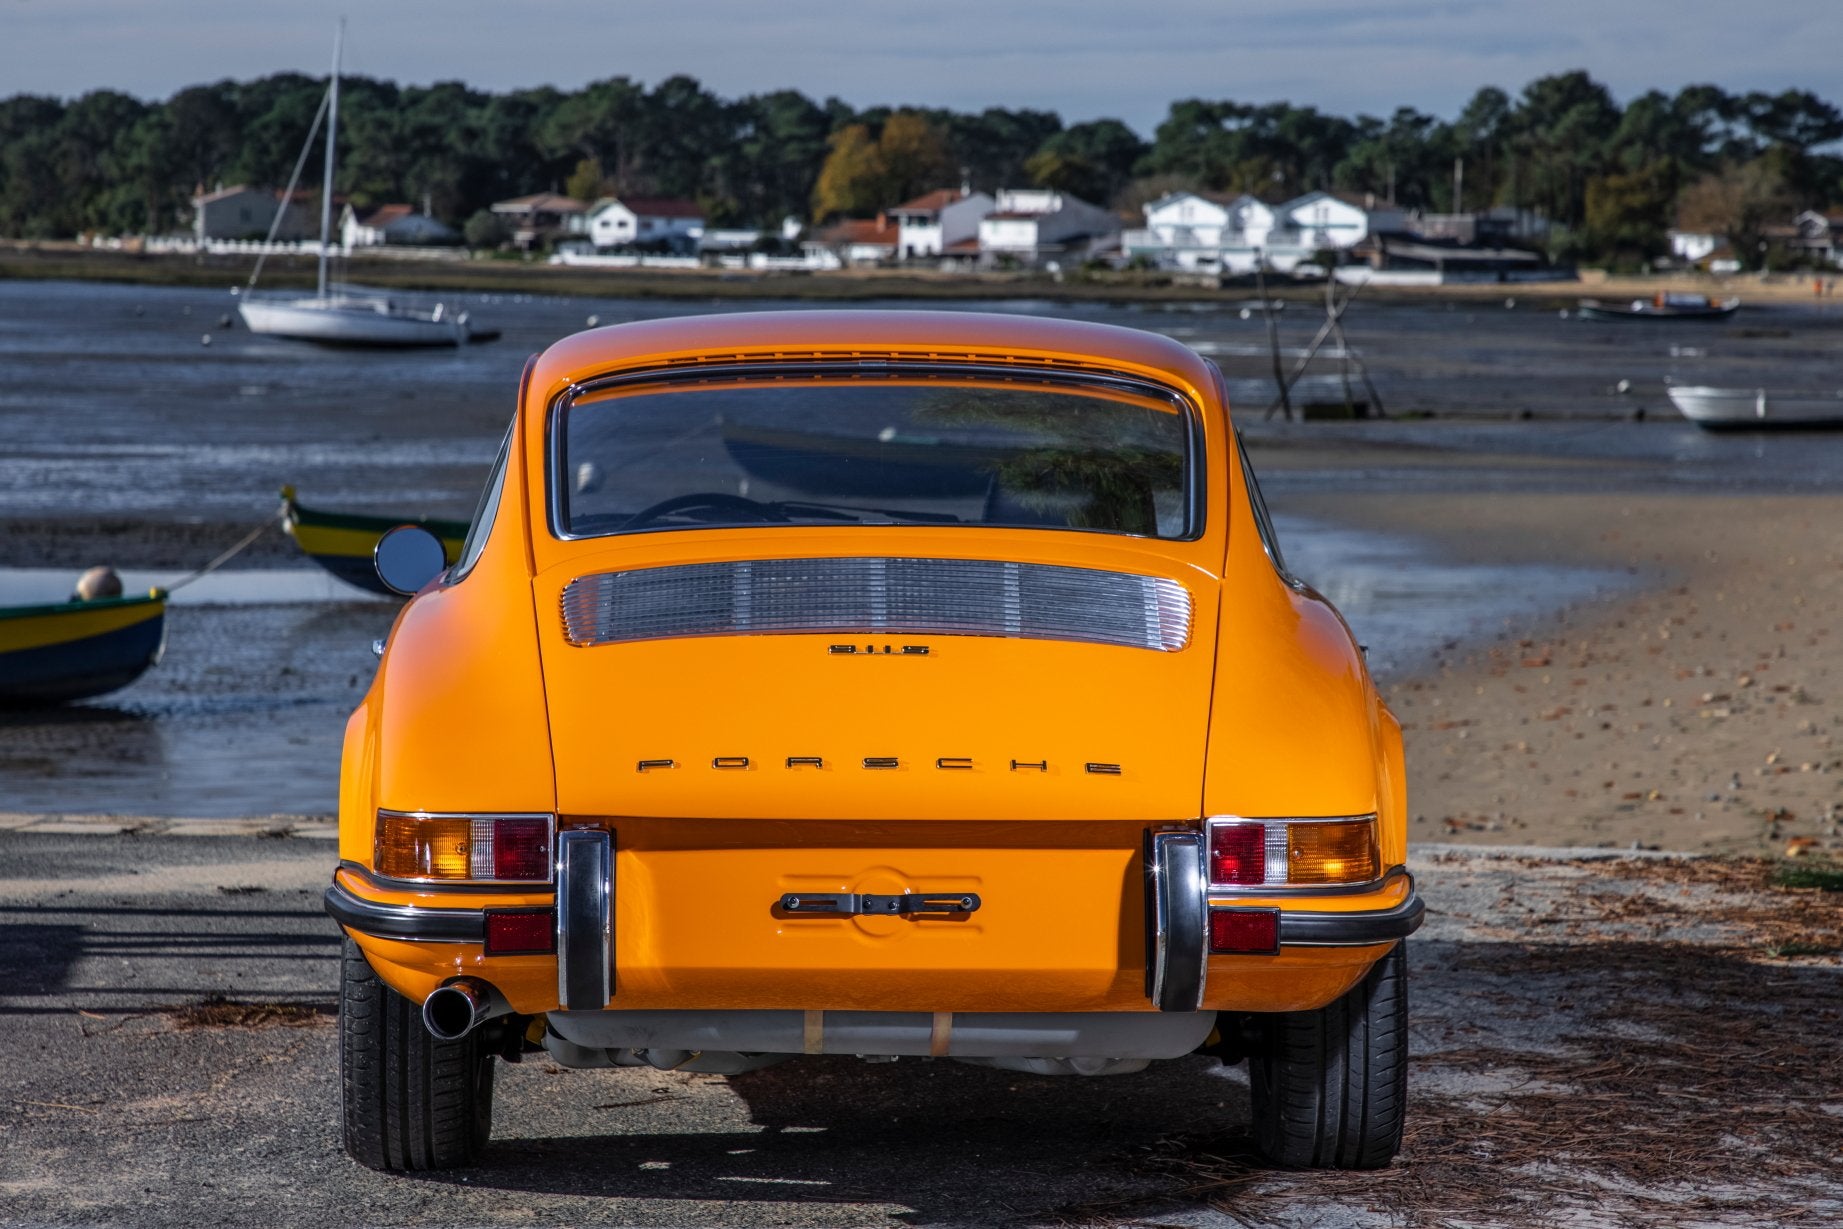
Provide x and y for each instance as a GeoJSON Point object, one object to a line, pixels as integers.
{"type": "Point", "coordinates": [242, 544]}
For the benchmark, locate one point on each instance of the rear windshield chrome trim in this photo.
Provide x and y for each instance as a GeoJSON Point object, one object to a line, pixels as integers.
{"type": "Point", "coordinates": [991, 368]}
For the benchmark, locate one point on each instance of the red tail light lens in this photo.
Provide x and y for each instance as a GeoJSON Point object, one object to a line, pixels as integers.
{"type": "Point", "coordinates": [1246, 932]}
{"type": "Point", "coordinates": [521, 848]}
{"type": "Point", "coordinates": [1238, 853]}
{"type": "Point", "coordinates": [520, 932]}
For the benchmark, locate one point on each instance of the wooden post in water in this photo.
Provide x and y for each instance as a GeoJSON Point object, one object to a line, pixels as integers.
{"type": "Point", "coordinates": [1273, 333]}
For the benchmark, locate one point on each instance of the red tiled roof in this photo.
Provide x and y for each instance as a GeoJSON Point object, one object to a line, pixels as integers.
{"type": "Point", "coordinates": [930, 202]}
{"type": "Point", "coordinates": [861, 230]}
{"type": "Point", "coordinates": [384, 215]}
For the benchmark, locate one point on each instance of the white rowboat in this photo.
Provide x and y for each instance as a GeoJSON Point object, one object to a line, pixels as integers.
{"type": "Point", "coordinates": [1745, 408]}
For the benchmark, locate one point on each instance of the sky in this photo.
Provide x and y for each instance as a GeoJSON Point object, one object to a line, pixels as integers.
{"type": "Point", "coordinates": [1085, 59]}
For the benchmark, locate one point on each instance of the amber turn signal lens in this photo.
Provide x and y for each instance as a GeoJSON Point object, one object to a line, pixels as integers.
{"type": "Point", "coordinates": [1337, 851]}
{"type": "Point", "coordinates": [409, 847]}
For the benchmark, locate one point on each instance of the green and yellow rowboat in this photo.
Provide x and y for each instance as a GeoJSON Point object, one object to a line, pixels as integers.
{"type": "Point", "coordinates": [342, 542]}
{"type": "Point", "coordinates": [74, 650]}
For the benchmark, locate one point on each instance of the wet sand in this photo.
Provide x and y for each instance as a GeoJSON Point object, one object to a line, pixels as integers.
{"type": "Point", "coordinates": [1697, 713]}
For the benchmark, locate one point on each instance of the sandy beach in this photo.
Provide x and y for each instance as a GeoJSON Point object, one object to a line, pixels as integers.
{"type": "Point", "coordinates": [1696, 714]}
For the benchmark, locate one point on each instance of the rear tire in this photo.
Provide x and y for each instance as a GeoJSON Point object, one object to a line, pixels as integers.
{"type": "Point", "coordinates": [410, 1101]}
{"type": "Point", "coordinates": [1330, 1087]}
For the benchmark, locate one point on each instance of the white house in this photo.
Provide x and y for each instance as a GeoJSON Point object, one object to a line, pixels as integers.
{"type": "Point", "coordinates": [243, 212]}
{"type": "Point", "coordinates": [1693, 246]}
{"type": "Point", "coordinates": [1200, 233]}
{"type": "Point", "coordinates": [932, 224]}
{"type": "Point", "coordinates": [1030, 224]}
{"type": "Point", "coordinates": [1331, 220]}
{"type": "Point", "coordinates": [396, 225]}
{"type": "Point", "coordinates": [615, 222]}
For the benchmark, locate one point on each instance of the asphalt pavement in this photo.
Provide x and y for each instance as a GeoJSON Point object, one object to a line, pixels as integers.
{"type": "Point", "coordinates": [169, 1059]}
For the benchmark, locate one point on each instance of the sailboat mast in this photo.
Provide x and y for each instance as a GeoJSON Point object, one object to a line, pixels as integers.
{"type": "Point", "coordinates": [332, 135]}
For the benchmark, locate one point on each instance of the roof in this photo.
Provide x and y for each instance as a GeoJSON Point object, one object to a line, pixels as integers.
{"type": "Point", "coordinates": [661, 206]}
{"type": "Point", "coordinates": [384, 215]}
{"type": "Point", "coordinates": [540, 202]}
{"type": "Point", "coordinates": [931, 202]}
{"type": "Point", "coordinates": [861, 231]}
{"type": "Point", "coordinates": [226, 193]}
{"type": "Point", "coordinates": [924, 334]}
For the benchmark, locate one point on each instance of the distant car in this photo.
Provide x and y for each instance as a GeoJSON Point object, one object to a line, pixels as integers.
{"type": "Point", "coordinates": [874, 683]}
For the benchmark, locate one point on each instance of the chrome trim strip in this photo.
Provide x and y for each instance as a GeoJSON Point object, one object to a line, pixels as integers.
{"type": "Point", "coordinates": [1300, 929]}
{"type": "Point", "coordinates": [993, 368]}
{"type": "Point", "coordinates": [408, 923]}
{"type": "Point", "coordinates": [585, 872]}
{"type": "Point", "coordinates": [1178, 919]}
{"type": "Point", "coordinates": [469, 884]}
{"type": "Point", "coordinates": [463, 887]}
{"type": "Point", "coordinates": [878, 595]}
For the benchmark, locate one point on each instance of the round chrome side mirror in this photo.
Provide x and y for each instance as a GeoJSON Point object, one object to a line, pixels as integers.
{"type": "Point", "coordinates": [408, 557]}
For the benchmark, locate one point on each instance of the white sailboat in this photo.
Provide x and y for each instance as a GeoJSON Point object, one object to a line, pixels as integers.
{"type": "Point", "coordinates": [344, 315]}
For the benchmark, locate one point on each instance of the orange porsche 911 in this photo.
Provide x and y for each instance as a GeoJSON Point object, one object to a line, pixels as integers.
{"type": "Point", "coordinates": [871, 683]}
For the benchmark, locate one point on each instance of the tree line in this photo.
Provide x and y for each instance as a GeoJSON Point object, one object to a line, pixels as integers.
{"type": "Point", "coordinates": [1611, 178]}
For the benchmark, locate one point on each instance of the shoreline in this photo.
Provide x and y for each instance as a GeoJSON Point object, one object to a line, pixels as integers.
{"type": "Point", "coordinates": [1692, 713]}
{"type": "Point", "coordinates": [66, 260]}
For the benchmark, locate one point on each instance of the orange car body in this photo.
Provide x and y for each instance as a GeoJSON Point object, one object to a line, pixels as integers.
{"type": "Point", "coordinates": [734, 771]}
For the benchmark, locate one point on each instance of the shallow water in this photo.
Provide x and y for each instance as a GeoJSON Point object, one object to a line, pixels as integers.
{"type": "Point", "coordinates": [245, 714]}
{"type": "Point", "coordinates": [113, 406]}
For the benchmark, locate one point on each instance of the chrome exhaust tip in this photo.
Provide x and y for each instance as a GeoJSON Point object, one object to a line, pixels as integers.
{"type": "Point", "coordinates": [456, 1009]}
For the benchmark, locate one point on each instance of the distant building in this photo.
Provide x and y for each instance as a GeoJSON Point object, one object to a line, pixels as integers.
{"type": "Point", "coordinates": [1203, 232]}
{"type": "Point", "coordinates": [395, 225]}
{"type": "Point", "coordinates": [650, 221]}
{"type": "Point", "coordinates": [541, 218]}
{"type": "Point", "coordinates": [1033, 225]}
{"type": "Point", "coordinates": [244, 212]}
{"type": "Point", "coordinates": [947, 218]}
{"type": "Point", "coordinates": [855, 241]}
{"type": "Point", "coordinates": [1694, 246]}
{"type": "Point", "coordinates": [1339, 220]}
{"type": "Point", "coordinates": [1816, 237]}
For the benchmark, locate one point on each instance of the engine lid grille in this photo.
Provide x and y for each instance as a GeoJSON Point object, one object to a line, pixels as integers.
{"type": "Point", "coordinates": [951, 597]}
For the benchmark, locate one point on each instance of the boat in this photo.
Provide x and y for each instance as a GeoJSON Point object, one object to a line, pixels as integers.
{"type": "Point", "coordinates": [345, 315]}
{"type": "Point", "coordinates": [343, 542]}
{"type": "Point", "coordinates": [1733, 409]}
{"type": "Point", "coordinates": [59, 651]}
{"type": "Point", "coordinates": [1662, 307]}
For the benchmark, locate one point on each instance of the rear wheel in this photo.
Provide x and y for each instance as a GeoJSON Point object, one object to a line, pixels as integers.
{"type": "Point", "coordinates": [1330, 1086]}
{"type": "Point", "coordinates": [410, 1101]}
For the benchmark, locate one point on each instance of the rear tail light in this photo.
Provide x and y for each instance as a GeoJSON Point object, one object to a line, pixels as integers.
{"type": "Point", "coordinates": [1247, 932]}
{"type": "Point", "coordinates": [1280, 853]}
{"type": "Point", "coordinates": [1238, 853]}
{"type": "Point", "coordinates": [478, 848]}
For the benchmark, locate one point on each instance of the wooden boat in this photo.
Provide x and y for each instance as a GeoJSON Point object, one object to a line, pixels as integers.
{"type": "Point", "coordinates": [60, 651]}
{"type": "Point", "coordinates": [1740, 409]}
{"type": "Point", "coordinates": [1661, 307]}
{"type": "Point", "coordinates": [342, 542]}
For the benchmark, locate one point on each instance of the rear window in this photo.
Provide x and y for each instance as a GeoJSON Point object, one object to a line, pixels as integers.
{"type": "Point", "coordinates": [1021, 453]}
